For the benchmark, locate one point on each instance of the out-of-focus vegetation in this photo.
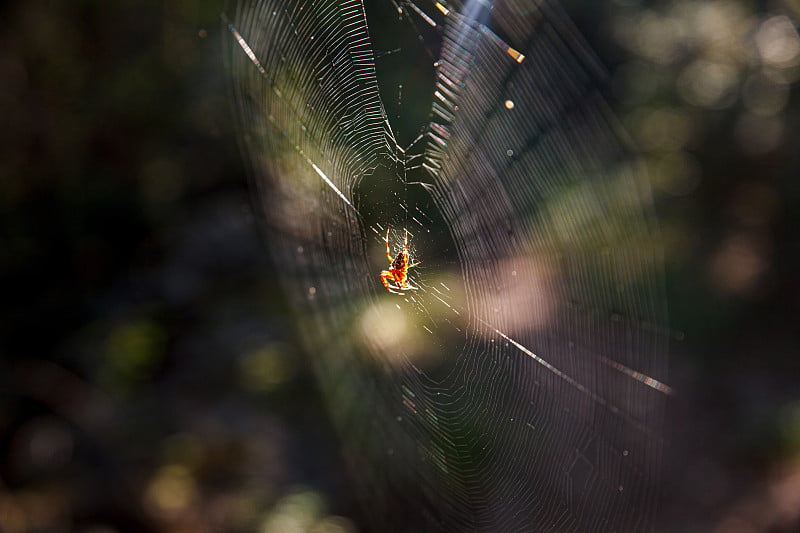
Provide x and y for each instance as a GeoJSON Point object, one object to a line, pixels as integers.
{"type": "Point", "coordinates": [149, 379]}
{"type": "Point", "coordinates": [708, 90]}
{"type": "Point", "coordinates": [148, 375]}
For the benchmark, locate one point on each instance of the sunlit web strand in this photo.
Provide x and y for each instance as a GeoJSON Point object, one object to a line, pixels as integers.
{"type": "Point", "coordinates": [638, 376]}
{"type": "Point", "coordinates": [246, 48]}
{"type": "Point", "coordinates": [254, 59]}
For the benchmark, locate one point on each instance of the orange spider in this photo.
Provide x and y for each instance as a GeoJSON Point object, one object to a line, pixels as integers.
{"type": "Point", "coordinates": [398, 270]}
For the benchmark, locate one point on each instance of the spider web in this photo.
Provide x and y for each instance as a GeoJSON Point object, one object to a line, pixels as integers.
{"type": "Point", "coordinates": [521, 385]}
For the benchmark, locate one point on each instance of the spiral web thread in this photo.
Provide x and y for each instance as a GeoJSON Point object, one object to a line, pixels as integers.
{"type": "Point", "coordinates": [521, 386]}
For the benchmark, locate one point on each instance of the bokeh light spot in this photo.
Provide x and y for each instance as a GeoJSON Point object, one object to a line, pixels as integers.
{"type": "Point", "coordinates": [294, 513]}
{"type": "Point", "coordinates": [708, 84]}
{"type": "Point", "coordinates": [266, 368]}
{"type": "Point", "coordinates": [171, 490]}
{"type": "Point", "coordinates": [778, 42]}
{"type": "Point", "coordinates": [133, 351]}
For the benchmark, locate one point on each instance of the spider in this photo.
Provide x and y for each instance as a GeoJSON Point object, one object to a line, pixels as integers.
{"type": "Point", "coordinates": [398, 270]}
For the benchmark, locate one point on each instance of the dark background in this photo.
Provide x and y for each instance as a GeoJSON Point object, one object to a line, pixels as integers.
{"type": "Point", "coordinates": [150, 378]}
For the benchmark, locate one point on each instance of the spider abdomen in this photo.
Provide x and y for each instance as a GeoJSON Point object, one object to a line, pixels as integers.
{"type": "Point", "coordinates": [399, 261]}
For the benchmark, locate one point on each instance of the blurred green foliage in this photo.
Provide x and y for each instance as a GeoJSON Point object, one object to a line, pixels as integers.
{"type": "Point", "coordinates": [146, 377]}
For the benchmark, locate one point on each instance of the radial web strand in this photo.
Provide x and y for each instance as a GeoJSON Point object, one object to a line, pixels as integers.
{"type": "Point", "coordinates": [519, 382]}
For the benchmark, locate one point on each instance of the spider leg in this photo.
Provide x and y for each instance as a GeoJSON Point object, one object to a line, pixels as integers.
{"type": "Point", "coordinates": [385, 277]}
{"type": "Point", "coordinates": [388, 251]}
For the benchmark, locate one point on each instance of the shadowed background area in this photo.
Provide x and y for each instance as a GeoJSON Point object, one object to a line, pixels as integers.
{"type": "Point", "coordinates": [149, 379]}
{"type": "Point", "coordinates": [150, 375]}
